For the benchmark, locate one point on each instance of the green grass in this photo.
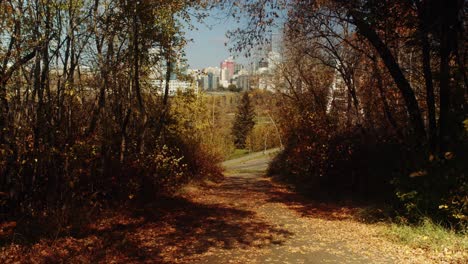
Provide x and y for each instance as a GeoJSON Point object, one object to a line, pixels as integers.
{"type": "Point", "coordinates": [238, 153]}
{"type": "Point", "coordinates": [428, 235]}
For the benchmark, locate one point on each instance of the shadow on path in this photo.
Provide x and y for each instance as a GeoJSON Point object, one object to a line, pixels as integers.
{"type": "Point", "coordinates": [172, 229]}
{"type": "Point", "coordinates": [276, 193]}
{"type": "Point", "coordinates": [308, 208]}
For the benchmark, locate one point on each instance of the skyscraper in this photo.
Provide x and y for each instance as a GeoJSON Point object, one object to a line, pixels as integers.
{"type": "Point", "coordinates": [227, 71]}
{"type": "Point", "coordinates": [213, 81]}
{"type": "Point", "coordinates": [204, 82]}
{"type": "Point", "coordinates": [213, 77]}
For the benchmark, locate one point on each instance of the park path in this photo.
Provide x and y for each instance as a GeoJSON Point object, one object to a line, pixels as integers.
{"type": "Point", "coordinates": [245, 218]}
{"type": "Point", "coordinates": [282, 226]}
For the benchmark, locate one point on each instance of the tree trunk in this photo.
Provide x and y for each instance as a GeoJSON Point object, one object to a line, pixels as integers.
{"type": "Point", "coordinates": [386, 107]}
{"type": "Point", "coordinates": [399, 78]}
{"type": "Point", "coordinates": [446, 32]}
{"type": "Point", "coordinates": [426, 61]}
{"type": "Point", "coordinates": [162, 120]}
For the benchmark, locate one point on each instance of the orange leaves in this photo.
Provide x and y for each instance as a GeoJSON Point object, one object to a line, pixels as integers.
{"type": "Point", "coordinates": [420, 173]}
{"type": "Point", "coordinates": [7, 228]}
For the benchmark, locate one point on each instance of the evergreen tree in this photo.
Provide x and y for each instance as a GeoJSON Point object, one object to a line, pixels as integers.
{"type": "Point", "coordinates": [243, 122]}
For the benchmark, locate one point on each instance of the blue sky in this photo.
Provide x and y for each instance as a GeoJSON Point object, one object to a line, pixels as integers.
{"type": "Point", "coordinates": [207, 48]}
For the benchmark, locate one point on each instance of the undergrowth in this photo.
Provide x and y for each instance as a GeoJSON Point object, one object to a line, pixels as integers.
{"type": "Point", "coordinates": [428, 235]}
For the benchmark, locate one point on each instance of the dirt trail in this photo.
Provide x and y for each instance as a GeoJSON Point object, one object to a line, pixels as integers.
{"type": "Point", "coordinates": [295, 230]}
{"type": "Point", "coordinates": [246, 218]}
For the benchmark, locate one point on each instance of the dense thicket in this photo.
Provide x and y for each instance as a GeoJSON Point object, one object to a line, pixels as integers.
{"type": "Point", "coordinates": [375, 98]}
{"type": "Point", "coordinates": [84, 118]}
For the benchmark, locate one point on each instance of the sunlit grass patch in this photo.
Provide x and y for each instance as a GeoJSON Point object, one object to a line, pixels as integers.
{"type": "Point", "coordinates": [239, 153]}
{"type": "Point", "coordinates": [430, 236]}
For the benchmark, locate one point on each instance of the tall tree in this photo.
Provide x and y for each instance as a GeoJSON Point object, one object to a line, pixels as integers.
{"type": "Point", "coordinates": [244, 121]}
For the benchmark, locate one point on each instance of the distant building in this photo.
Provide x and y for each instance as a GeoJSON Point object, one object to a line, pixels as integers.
{"type": "Point", "coordinates": [174, 86]}
{"type": "Point", "coordinates": [215, 70]}
{"type": "Point", "coordinates": [237, 68]}
{"type": "Point", "coordinates": [194, 73]}
{"type": "Point", "coordinates": [213, 81]}
{"type": "Point", "coordinates": [225, 80]}
{"type": "Point", "coordinates": [204, 82]}
{"type": "Point", "coordinates": [337, 94]}
{"type": "Point", "coordinates": [158, 77]}
{"type": "Point", "coordinates": [208, 79]}
{"type": "Point", "coordinates": [242, 80]}
{"type": "Point", "coordinates": [260, 66]}
{"type": "Point", "coordinates": [268, 57]}
{"type": "Point", "coordinates": [214, 74]}
{"type": "Point", "coordinates": [227, 71]}
{"type": "Point", "coordinates": [277, 43]}
{"type": "Point", "coordinates": [274, 59]}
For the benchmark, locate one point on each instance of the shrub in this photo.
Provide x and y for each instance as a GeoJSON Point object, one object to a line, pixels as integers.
{"type": "Point", "coordinates": [353, 163]}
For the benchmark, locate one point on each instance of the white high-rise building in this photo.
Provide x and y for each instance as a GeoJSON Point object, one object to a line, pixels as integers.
{"type": "Point", "coordinates": [337, 94]}
{"type": "Point", "coordinates": [243, 80]}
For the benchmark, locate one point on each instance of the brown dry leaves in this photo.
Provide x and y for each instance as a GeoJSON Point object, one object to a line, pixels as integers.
{"type": "Point", "coordinates": [245, 219]}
